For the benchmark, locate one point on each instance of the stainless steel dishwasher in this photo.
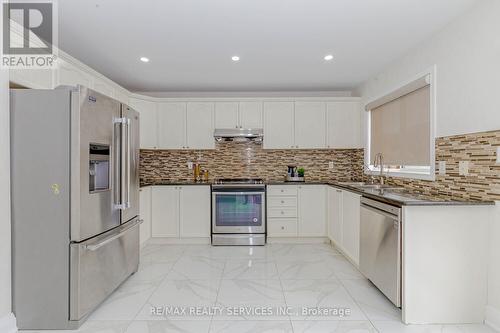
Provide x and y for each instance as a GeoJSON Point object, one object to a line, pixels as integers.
{"type": "Point", "coordinates": [380, 247]}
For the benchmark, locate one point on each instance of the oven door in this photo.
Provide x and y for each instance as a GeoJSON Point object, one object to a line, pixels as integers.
{"type": "Point", "coordinates": [238, 212]}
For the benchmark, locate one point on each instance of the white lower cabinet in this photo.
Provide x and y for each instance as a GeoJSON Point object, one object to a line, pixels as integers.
{"type": "Point", "coordinates": [312, 211]}
{"type": "Point", "coordinates": [296, 211]}
{"type": "Point", "coordinates": [344, 222]}
{"type": "Point", "coordinates": [145, 213]}
{"type": "Point", "coordinates": [180, 211]}
{"type": "Point", "coordinates": [165, 211]}
{"type": "Point", "coordinates": [195, 211]}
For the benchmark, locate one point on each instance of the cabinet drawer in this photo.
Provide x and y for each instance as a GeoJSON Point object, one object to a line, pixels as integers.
{"type": "Point", "coordinates": [286, 190]}
{"type": "Point", "coordinates": [282, 228]}
{"type": "Point", "coordinates": [282, 212]}
{"type": "Point", "coordinates": [279, 202]}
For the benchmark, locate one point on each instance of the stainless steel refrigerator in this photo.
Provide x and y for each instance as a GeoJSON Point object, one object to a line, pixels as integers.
{"type": "Point", "coordinates": [75, 203]}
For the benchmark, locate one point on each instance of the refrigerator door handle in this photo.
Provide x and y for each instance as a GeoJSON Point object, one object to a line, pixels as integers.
{"type": "Point", "coordinates": [127, 165]}
{"type": "Point", "coordinates": [121, 175]}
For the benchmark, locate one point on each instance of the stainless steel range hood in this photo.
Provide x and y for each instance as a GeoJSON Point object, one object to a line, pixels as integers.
{"type": "Point", "coordinates": [239, 134]}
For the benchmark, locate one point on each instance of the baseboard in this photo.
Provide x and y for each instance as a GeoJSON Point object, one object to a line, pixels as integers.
{"type": "Point", "coordinates": [492, 318]}
{"type": "Point", "coordinates": [8, 323]}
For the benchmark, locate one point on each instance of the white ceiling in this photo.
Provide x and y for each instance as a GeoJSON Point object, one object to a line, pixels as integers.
{"type": "Point", "coordinates": [281, 42]}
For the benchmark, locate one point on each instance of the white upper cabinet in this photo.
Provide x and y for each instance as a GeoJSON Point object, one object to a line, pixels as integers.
{"type": "Point", "coordinates": [310, 125]}
{"type": "Point", "coordinates": [278, 125]}
{"type": "Point", "coordinates": [69, 75]}
{"type": "Point", "coordinates": [344, 125]}
{"type": "Point", "coordinates": [200, 125]}
{"type": "Point", "coordinates": [172, 125]}
{"type": "Point", "coordinates": [250, 115]}
{"type": "Point", "coordinates": [148, 122]}
{"type": "Point", "coordinates": [226, 115]}
{"type": "Point", "coordinates": [312, 211]}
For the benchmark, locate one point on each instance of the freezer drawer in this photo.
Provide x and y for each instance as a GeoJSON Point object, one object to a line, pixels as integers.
{"type": "Point", "coordinates": [101, 264]}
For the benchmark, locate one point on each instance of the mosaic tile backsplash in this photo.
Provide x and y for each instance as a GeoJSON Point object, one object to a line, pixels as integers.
{"type": "Point", "coordinates": [483, 180]}
{"type": "Point", "coordinates": [241, 160]}
{"type": "Point", "coordinates": [235, 160]}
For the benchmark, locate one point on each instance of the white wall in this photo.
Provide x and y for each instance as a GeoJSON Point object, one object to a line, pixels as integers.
{"type": "Point", "coordinates": [467, 58]}
{"type": "Point", "coordinates": [466, 53]}
{"type": "Point", "coordinates": [6, 320]}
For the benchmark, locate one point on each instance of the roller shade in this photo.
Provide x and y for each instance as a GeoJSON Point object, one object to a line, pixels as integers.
{"type": "Point", "coordinates": [400, 129]}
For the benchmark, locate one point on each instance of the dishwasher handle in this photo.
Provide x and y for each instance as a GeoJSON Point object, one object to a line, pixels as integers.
{"type": "Point", "coordinates": [381, 212]}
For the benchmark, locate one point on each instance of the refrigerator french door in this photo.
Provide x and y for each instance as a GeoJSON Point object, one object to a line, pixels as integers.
{"type": "Point", "coordinates": [75, 188]}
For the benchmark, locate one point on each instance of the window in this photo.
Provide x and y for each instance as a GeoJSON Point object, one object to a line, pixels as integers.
{"type": "Point", "coordinates": [401, 129]}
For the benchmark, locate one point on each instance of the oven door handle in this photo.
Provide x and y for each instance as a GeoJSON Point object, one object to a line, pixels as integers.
{"type": "Point", "coordinates": [236, 193]}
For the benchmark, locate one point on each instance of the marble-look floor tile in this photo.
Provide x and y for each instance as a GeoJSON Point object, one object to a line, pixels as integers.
{"type": "Point", "coordinates": [188, 267]}
{"type": "Point", "coordinates": [180, 294]}
{"type": "Point", "coordinates": [343, 269]}
{"type": "Point", "coordinates": [305, 268]}
{"type": "Point", "coordinates": [246, 252]}
{"type": "Point", "coordinates": [321, 294]}
{"type": "Point", "coordinates": [250, 292]}
{"type": "Point", "coordinates": [375, 305]}
{"type": "Point", "coordinates": [125, 302]}
{"type": "Point", "coordinates": [302, 250]}
{"type": "Point", "coordinates": [254, 269]}
{"type": "Point", "coordinates": [152, 271]}
{"type": "Point", "coordinates": [251, 327]}
{"type": "Point", "coordinates": [167, 326]}
{"type": "Point", "coordinates": [333, 327]}
{"type": "Point", "coordinates": [399, 327]}
{"type": "Point", "coordinates": [161, 253]}
{"type": "Point", "coordinates": [92, 326]}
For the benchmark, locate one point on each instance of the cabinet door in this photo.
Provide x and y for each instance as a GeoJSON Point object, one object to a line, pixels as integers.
{"type": "Point", "coordinates": [172, 125]}
{"type": "Point", "coordinates": [148, 122]}
{"type": "Point", "coordinates": [251, 114]}
{"type": "Point", "coordinates": [344, 125]}
{"type": "Point", "coordinates": [310, 125]}
{"type": "Point", "coordinates": [195, 211]}
{"type": "Point", "coordinates": [200, 125]}
{"type": "Point", "coordinates": [335, 215]}
{"type": "Point", "coordinates": [312, 211]}
{"type": "Point", "coordinates": [145, 213]}
{"type": "Point", "coordinates": [351, 221]}
{"type": "Point", "coordinates": [165, 211]}
{"type": "Point", "coordinates": [69, 75]}
{"type": "Point", "coordinates": [278, 125]}
{"type": "Point", "coordinates": [226, 115]}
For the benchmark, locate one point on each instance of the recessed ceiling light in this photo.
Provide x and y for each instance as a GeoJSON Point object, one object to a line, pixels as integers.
{"type": "Point", "coordinates": [235, 58]}
{"type": "Point", "coordinates": [144, 59]}
{"type": "Point", "coordinates": [328, 57]}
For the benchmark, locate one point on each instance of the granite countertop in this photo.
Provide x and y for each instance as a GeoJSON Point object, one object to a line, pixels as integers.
{"type": "Point", "coordinates": [398, 197]}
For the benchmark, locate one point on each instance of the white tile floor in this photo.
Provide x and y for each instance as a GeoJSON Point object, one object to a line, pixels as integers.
{"type": "Point", "coordinates": [291, 276]}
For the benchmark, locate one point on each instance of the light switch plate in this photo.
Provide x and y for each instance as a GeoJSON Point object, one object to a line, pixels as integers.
{"type": "Point", "coordinates": [442, 168]}
{"type": "Point", "coordinates": [463, 168]}
{"type": "Point", "coordinates": [330, 165]}
{"type": "Point", "coordinates": [498, 155]}
{"type": "Point", "coordinates": [190, 165]}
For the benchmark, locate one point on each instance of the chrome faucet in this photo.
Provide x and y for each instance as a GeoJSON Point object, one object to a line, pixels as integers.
{"type": "Point", "coordinates": [379, 162]}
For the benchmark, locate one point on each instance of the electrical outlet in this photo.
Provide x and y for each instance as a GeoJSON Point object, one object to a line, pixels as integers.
{"type": "Point", "coordinates": [190, 165]}
{"type": "Point", "coordinates": [463, 168]}
{"type": "Point", "coordinates": [330, 165]}
{"type": "Point", "coordinates": [498, 155]}
{"type": "Point", "coordinates": [442, 168]}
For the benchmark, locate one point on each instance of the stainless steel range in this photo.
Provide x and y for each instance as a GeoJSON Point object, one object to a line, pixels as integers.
{"type": "Point", "coordinates": [239, 212]}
